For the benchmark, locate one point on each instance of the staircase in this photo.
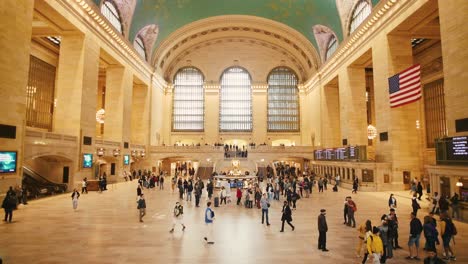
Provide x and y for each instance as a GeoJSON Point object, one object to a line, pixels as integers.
{"type": "Point", "coordinates": [38, 186]}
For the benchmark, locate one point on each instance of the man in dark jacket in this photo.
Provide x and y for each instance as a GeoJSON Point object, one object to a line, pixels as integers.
{"type": "Point", "coordinates": [416, 229]}
{"type": "Point", "coordinates": [9, 204]}
{"type": "Point", "coordinates": [287, 216]}
{"type": "Point", "coordinates": [323, 229]}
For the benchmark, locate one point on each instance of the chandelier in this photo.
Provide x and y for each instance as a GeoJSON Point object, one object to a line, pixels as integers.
{"type": "Point", "coordinates": [100, 116]}
{"type": "Point", "coordinates": [371, 132]}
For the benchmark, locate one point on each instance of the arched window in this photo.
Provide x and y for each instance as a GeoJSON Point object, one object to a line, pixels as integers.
{"type": "Point", "coordinates": [140, 46]}
{"type": "Point", "coordinates": [188, 107]}
{"type": "Point", "coordinates": [236, 100]}
{"type": "Point", "coordinates": [109, 10]}
{"type": "Point", "coordinates": [283, 101]}
{"type": "Point", "coordinates": [360, 13]}
{"type": "Point", "coordinates": [332, 45]}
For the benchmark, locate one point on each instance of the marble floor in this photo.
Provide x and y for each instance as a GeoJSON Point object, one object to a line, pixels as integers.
{"type": "Point", "coordinates": [105, 229]}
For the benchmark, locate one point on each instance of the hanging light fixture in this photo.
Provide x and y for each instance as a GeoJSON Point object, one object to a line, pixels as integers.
{"type": "Point", "coordinates": [371, 132]}
{"type": "Point", "coordinates": [100, 115]}
{"type": "Point", "coordinates": [459, 183]}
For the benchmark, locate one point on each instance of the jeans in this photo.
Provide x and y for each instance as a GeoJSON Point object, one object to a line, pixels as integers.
{"type": "Point", "coordinates": [455, 211]}
{"type": "Point", "coordinates": [351, 218]}
{"type": "Point", "coordinates": [265, 212]}
{"type": "Point", "coordinates": [189, 196]}
{"type": "Point", "coordinates": [197, 199]}
{"type": "Point", "coordinates": [322, 240]}
{"type": "Point", "coordinates": [84, 189]}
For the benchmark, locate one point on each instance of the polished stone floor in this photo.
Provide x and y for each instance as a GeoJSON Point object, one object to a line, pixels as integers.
{"type": "Point", "coordinates": [105, 229]}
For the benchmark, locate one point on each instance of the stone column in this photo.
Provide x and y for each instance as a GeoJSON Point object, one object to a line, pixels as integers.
{"type": "Point", "coordinates": [212, 98]}
{"type": "Point", "coordinates": [330, 104]}
{"type": "Point", "coordinates": [76, 89]}
{"type": "Point", "coordinates": [453, 20]}
{"type": "Point", "coordinates": [119, 86]}
{"type": "Point", "coordinates": [15, 40]}
{"type": "Point", "coordinates": [259, 115]}
{"type": "Point", "coordinates": [391, 55]}
{"type": "Point", "coordinates": [352, 98]}
{"type": "Point", "coordinates": [140, 114]}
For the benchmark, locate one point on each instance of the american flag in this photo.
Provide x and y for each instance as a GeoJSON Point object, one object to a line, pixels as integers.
{"type": "Point", "coordinates": [405, 87]}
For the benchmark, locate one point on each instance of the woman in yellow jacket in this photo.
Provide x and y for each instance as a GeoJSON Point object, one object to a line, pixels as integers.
{"type": "Point", "coordinates": [375, 245]}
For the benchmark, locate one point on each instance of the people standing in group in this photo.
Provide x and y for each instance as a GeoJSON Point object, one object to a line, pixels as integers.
{"type": "Point", "coordinates": [392, 202]}
{"type": "Point", "coordinates": [265, 204]}
{"type": "Point", "coordinates": [430, 233]}
{"type": "Point", "coordinates": [209, 218]}
{"type": "Point", "coordinates": [393, 223]}
{"type": "Point", "coordinates": [323, 229]}
{"type": "Point", "coordinates": [9, 204]}
{"type": "Point", "coordinates": [432, 258]}
{"type": "Point", "coordinates": [416, 229]}
{"type": "Point", "coordinates": [286, 216]}
{"type": "Point", "coordinates": [415, 205]}
{"type": "Point", "coordinates": [352, 208]}
{"type": "Point", "coordinates": [365, 230]}
{"type": "Point", "coordinates": [141, 206]}
{"type": "Point", "coordinates": [75, 196]}
{"type": "Point", "coordinates": [447, 231]}
{"type": "Point", "coordinates": [435, 203]}
{"type": "Point", "coordinates": [84, 185]}
{"type": "Point", "coordinates": [455, 204]}
{"type": "Point", "coordinates": [345, 211]}
{"type": "Point", "coordinates": [375, 245]}
{"type": "Point", "coordinates": [189, 190]}
{"type": "Point", "coordinates": [177, 216]}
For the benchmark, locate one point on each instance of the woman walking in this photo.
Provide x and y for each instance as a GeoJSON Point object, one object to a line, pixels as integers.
{"type": "Point", "coordinates": [141, 206]}
{"type": "Point", "coordinates": [287, 216]}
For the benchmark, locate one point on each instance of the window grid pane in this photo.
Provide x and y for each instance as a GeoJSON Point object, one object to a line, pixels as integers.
{"type": "Point", "coordinates": [362, 11]}
{"type": "Point", "coordinates": [188, 109]}
{"type": "Point", "coordinates": [40, 94]}
{"type": "Point", "coordinates": [140, 47]}
{"type": "Point", "coordinates": [434, 111]}
{"type": "Point", "coordinates": [236, 101]}
{"type": "Point", "coordinates": [283, 101]}
{"type": "Point", "coordinates": [332, 45]}
{"type": "Point", "coordinates": [110, 12]}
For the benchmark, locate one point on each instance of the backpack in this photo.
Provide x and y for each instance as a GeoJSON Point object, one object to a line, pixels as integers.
{"type": "Point", "coordinates": [450, 227]}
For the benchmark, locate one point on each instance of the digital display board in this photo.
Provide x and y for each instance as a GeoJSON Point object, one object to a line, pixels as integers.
{"type": "Point", "coordinates": [452, 150]}
{"type": "Point", "coordinates": [8, 161]}
{"type": "Point", "coordinates": [87, 160]}
{"type": "Point", "coordinates": [126, 159]}
{"type": "Point", "coordinates": [350, 153]}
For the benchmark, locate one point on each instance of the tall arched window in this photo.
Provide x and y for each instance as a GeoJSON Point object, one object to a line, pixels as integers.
{"type": "Point", "coordinates": [236, 100]}
{"type": "Point", "coordinates": [140, 46]}
{"type": "Point", "coordinates": [188, 107]}
{"type": "Point", "coordinates": [109, 10]}
{"type": "Point", "coordinates": [283, 101]}
{"type": "Point", "coordinates": [331, 47]}
{"type": "Point", "coordinates": [360, 13]}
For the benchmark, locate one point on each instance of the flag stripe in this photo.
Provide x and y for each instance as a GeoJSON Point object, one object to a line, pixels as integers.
{"type": "Point", "coordinates": [405, 87]}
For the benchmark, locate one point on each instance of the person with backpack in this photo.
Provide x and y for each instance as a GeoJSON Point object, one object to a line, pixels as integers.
{"type": "Point", "coordinates": [141, 206]}
{"type": "Point", "coordinates": [416, 229]}
{"type": "Point", "coordinates": [178, 216]}
{"type": "Point", "coordinates": [447, 231]}
{"type": "Point", "coordinates": [375, 245]}
{"type": "Point", "coordinates": [209, 218]}
{"type": "Point", "coordinates": [9, 204]}
{"type": "Point", "coordinates": [430, 233]}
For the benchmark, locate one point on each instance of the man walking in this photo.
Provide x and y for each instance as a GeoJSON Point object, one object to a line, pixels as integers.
{"type": "Point", "coordinates": [265, 205]}
{"type": "Point", "coordinates": [9, 204]}
{"type": "Point", "coordinates": [178, 216]}
{"type": "Point", "coordinates": [84, 186]}
{"type": "Point", "coordinates": [209, 217]}
{"type": "Point", "coordinates": [323, 229]}
{"type": "Point", "coordinates": [141, 206]}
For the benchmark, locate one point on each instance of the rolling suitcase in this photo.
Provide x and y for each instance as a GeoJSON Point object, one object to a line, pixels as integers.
{"type": "Point", "coordinates": [216, 201]}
